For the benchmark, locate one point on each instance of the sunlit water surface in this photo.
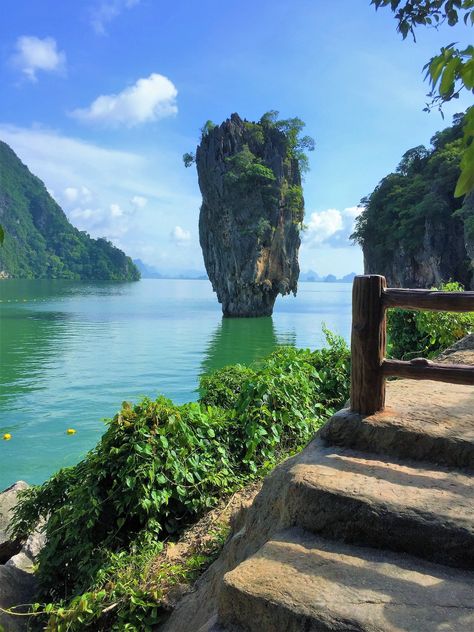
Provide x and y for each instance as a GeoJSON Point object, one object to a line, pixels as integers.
{"type": "Point", "coordinates": [71, 352]}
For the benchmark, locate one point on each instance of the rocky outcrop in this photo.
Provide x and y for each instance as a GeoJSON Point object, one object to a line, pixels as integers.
{"type": "Point", "coordinates": [9, 546]}
{"type": "Point", "coordinates": [252, 208]}
{"type": "Point", "coordinates": [444, 254]}
{"type": "Point", "coordinates": [17, 559]}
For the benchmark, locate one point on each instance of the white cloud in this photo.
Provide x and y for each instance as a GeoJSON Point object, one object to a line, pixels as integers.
{"type": "Point", "coordinates": [149, 99]}
{"type": "Point", "coordinates": [180, 236]}
{"type": "Point", "coordinates": [34, 54]}
{"type": "Point", "coordinates": [138, 201]}
{"type": "Point", "coordinates": [106, 10]}
{"type": "Point", "coordinates": [115, 210]}
{"type": "Point", "coordinates": [77, 194]}
{"type": "Point", "coordinates": [331, 227]}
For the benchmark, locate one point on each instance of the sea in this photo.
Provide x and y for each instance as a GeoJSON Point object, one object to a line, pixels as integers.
{"type": "Point", "coordinates": [71, 352]}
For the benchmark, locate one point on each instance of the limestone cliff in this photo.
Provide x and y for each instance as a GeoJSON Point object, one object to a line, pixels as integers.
{"type": "Point", "coordinates": [413, 230]}
{"type": "Point", "coordinates": [443, 255]}
{"type": "Point", "coordinates": [251, 214]}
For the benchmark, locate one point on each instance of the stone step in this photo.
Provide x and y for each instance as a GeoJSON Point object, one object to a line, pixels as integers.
{"type": "Point", "coordinates": [422, 420]}
{"type": "Point", "coordinates": [299, 582]}
{"type": "Point", "coordinates": [413, 507]}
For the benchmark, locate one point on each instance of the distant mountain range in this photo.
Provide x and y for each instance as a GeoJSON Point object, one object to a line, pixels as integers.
{"type": "Point", "coordinates": [330, 278]}
{"type": "Point", "coordinates": [150, 272]}
{"type": "Point", "coordinates": [40, 242]}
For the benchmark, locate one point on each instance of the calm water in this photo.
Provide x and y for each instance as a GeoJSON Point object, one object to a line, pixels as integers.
{"type": "Point", "coordinates": [71, 352]}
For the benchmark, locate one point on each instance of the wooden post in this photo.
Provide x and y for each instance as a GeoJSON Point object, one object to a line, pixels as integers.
{"type": "Point", "coordinates": [368, 344]}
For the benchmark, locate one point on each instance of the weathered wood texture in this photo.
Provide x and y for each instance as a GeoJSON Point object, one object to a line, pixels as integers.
{"type": "Point", "coordinates": [429, 300]}
{"type": "Point", "coordinates": [368, 344]}
{"type": "Point", "coordinates": [422, 369]}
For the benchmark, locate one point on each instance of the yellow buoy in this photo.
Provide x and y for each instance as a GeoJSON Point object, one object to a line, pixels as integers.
{"type": "Point", "coordinates": [70, 431]}
{"type": "Point", "coordinates": [7, 436]}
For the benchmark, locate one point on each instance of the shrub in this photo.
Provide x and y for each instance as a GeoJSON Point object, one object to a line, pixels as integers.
{"type": "Point", "coordinates": [155, 469]}
{"type": "Point", "coordinates": [222, 388]}
{"type": "Point", "coordinates": [419, 333]}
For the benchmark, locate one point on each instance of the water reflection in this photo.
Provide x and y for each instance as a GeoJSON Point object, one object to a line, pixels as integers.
{"type": "Point", "coordinates": [242, 340]}
{"type": "Point", "coordinates": [29, 341]}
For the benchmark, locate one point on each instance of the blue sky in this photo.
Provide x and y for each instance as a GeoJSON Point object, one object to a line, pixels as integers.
{"type": "Point", "coordinates": [100, 98]}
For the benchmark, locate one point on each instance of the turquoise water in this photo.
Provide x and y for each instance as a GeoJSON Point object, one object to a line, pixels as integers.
{"type": "Point", "coordinates": [71, 352]}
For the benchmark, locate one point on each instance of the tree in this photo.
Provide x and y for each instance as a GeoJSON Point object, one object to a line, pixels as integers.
{"type": "Point", "coordinates": [448, 73]}
{"type": "Point", "coordinates": [412, 160]}
{"type": "Point", "coordinates": [297, 145]}
{"type": "Point", "coordinates": [189, 158]}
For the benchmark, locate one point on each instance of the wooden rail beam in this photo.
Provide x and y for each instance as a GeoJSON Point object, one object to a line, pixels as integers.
{"type": "Point", "coordinates": [367, 344]}
{"type": "Point", "coordinates": [422, 369]}
{"type": "Point", "coordinates": [429, 300]}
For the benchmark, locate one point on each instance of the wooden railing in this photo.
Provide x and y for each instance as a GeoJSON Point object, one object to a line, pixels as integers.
{"type": "Point", "coordinates": [370, 300]}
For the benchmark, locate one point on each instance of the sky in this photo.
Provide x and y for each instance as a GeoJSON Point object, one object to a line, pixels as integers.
{"type": "Point", "coordinates": [101, 98]}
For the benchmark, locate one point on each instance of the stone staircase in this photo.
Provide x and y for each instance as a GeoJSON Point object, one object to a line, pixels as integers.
{"type": "Point", "coordinates": [375, 531]}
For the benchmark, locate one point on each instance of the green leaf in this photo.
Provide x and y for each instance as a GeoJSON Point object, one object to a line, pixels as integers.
{"type": "Point", "coordinates": [447, 80]}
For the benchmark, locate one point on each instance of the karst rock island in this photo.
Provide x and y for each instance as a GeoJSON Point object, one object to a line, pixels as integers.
{"type": "Point", "coordinates": [252, 209]}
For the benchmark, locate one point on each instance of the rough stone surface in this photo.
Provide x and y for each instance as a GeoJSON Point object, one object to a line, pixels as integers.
{"type": "Point", "coordinates": [249, 237]}
{"type": "Point", "coordinates": [430, 265]}
{"type": "Point", "coordinates": [340, 494]}
{"type": "Point", "coordinates": [25, 559]}
{"type": "Point", "coordinates": [462, 351]}
{"type": "Point", "coordinates": [8, 497]}
{"type": "Point", "coordinates": [441, 430]}
{"type": "Point", "coordinates": [301, 583]}
{"type": "Point", "coordinates": [404, 506]}
{"type": "Point", "coordinates": [423, 420]}
{"type": "Point", "coordinates": [16, 587]}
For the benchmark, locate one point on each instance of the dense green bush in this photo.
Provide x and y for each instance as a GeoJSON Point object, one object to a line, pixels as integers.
{"type": "Point", "coordinates": [156, 467]}
{"type": "Point", "coordinates": [159, 467]}
{"type": "Point", "coordinates": [222, 388]}
{"type": "Point", "coordinates": [425, 334]}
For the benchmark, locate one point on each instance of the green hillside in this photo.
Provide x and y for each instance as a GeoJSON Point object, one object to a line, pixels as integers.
{"type": "Point", "coordinates": [40, 242]}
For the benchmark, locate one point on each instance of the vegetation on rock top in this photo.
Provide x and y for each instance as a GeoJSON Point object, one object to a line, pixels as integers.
{"type": "Point", "coordinates": [450, 72]}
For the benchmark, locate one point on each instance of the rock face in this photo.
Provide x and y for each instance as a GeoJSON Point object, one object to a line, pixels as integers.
{"type": "Point", "coordinates": [8, 546]}
{"type": "Point", "coordinates": [17, 557]}
{"type": "Point", "coordinates": [445, 253]}
{"type": "Point", "coordinates": [251, 212]}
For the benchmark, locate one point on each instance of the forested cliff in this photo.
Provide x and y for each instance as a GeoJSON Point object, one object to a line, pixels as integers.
{"type": "Point", "coordinates": [39, 240]}
{"type": "Point", "coordinates": [413, 230]}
